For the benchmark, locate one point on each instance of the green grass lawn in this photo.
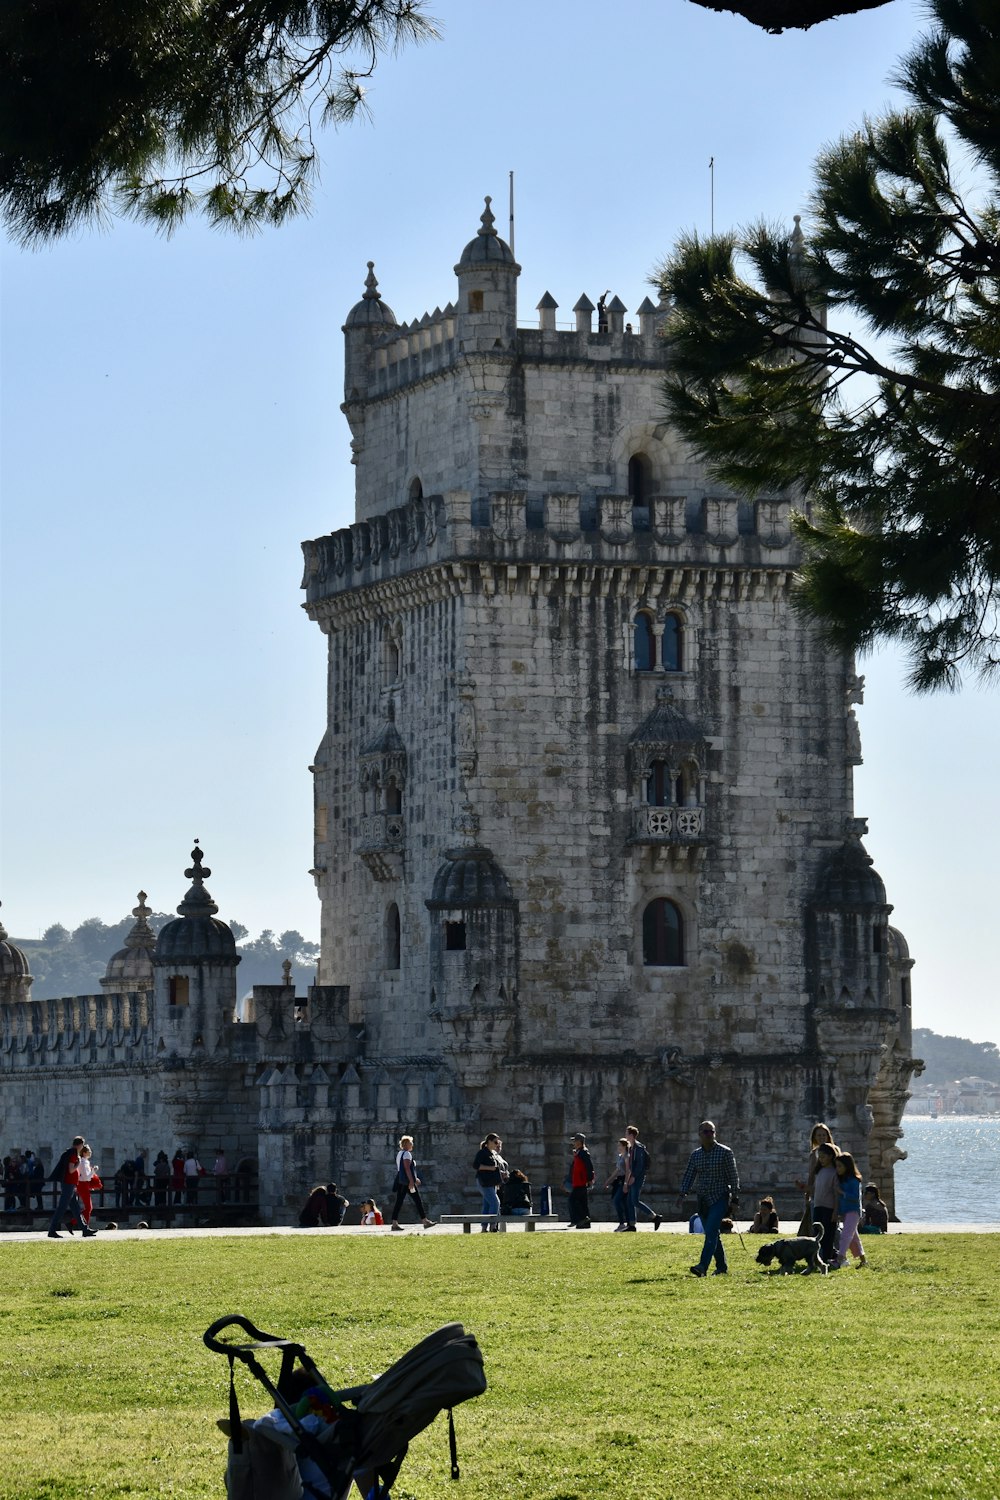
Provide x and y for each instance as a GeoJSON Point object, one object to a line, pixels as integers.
{"type": "Point", "coordinates": [612, 1371]}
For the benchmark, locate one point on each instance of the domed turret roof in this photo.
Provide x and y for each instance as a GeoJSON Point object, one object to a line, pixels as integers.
{"type": "Point", "coordinates": [13, 963]}
{"type": "Point", "coordinates": [667, 726]}
{"type": "Point", "coordinates": [849, 879]}
{"type": "Point", "coordinates": [470, 876]}
{"type": "Point", "coordinates": [198, 937]}
{"type": "Point", "coordinates": [487, 248]}
{"type": "Point", "coordinates": [371, 311]}
{"type": "Point", "coordinates": [131, 968]}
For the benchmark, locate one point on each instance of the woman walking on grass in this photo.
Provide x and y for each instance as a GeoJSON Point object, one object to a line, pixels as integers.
{"type": "Point", "coordinates": [407, 1183]}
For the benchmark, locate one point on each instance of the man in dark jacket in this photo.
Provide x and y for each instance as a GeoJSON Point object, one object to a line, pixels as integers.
{"type": "Point", "coordinates": [66, 1173]}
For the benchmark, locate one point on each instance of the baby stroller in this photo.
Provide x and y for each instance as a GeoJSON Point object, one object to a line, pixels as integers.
{"type": "Point", "coordinates": [360, 1433]}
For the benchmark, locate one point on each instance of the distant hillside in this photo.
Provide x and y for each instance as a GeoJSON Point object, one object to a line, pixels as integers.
{"type": "Point", "coordinates": [950, 1057]}
{"type": "Point", "coordinates": [72, 963]}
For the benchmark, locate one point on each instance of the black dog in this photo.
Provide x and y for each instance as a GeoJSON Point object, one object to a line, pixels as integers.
{"type": "Point", "coordinates": [787, 1252]}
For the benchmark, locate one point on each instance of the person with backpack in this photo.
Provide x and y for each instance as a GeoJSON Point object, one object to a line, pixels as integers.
{"type": "Point", "coordinates": [407, 1183]}
{"type": "Point", "coordinates": [636, 1167]}
{"type": "Point", "coordinates": [579, 1182]}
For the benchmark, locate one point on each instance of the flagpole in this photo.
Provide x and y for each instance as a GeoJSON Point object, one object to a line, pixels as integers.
{"type": "Point", "coordinates": [711, 178]}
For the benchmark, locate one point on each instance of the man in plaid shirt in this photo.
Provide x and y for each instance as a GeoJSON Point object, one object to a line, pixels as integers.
{"type": "Point", "coordinates": [714, 1166]}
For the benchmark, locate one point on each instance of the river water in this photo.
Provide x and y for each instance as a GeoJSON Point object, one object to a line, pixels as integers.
{"type": "Point", "coordinates": [952, 1170]}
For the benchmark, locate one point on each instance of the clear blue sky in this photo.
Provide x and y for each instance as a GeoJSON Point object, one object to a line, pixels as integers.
{"type": "Point", "coordinates": [171, 432]}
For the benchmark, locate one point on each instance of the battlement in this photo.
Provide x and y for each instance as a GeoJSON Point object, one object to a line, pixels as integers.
{"type": "Point", "coordinates": [84, 1029]}
{"type": "Point", "coordinates": [408, 353]}
{"type": "Point", "coordinates": [518, 526]}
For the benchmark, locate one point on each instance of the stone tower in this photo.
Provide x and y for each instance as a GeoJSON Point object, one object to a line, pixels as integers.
{"type": "Point", "coordinates": [585, 840]}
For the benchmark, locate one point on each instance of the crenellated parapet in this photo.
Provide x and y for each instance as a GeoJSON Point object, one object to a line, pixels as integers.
{"type": "Point", "coordinates": [515, 526]}
{"type": "Point", "coordinates": [91, 1030]}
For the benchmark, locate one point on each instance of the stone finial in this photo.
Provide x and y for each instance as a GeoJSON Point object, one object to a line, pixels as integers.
{"type": "Point", "coordinates": [3, 930]}
{"type": "Point", "coordinates": [486, 219]}
{"type": "Point", "coordinates": [371, 285]}
{"type": "Point", "coordinates": [197, 902]}
{"type": "Point", "coordinates": [286, 973]}
{"type": "Point", "coordinates": [141, 935]}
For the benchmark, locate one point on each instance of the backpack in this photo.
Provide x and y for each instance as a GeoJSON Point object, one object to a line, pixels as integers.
{"type": "Point", "coordinates": [439, 1373]}
{"type": "Point", "coordinates": [58, 1172]}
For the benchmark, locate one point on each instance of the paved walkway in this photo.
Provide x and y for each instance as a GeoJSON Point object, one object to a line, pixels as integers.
{"type": "Point", "coordinates": [673, 1227]}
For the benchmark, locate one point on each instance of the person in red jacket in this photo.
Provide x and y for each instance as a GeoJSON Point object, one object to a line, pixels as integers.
{"type": "Point", "coordinates": [581, 1180]}
{"type": "Point", "coordinates": [66, 1173]}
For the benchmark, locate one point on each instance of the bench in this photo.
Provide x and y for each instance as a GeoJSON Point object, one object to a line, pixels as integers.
{"type": "Point", "coordinates": [530, 1221]}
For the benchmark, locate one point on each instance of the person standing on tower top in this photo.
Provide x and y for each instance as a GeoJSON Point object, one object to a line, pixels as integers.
{"type": "Point", "coordinates": [713, 1166]}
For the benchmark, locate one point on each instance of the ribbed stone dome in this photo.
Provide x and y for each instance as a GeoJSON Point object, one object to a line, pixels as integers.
{"type": "Point", "coordinates": [198, 936]}
{"type": "Point", "coordinates": [470, 876]}
{"type": "Point", "coordinates": [371, 311]}
{"type": "Point", "coordinates": [131, 968]}
{"type": "Point", "coordinates": [13, 963]}
{"type": "Point", "coordinates": [849, 879]}
{"type": "Point", "coordinates": [487, 249]}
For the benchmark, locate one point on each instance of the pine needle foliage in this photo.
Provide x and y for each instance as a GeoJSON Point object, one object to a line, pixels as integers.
{"type": "Point", "coordinates": [892, 430]}
{"type": "Point", "coordinates": [155, 109]}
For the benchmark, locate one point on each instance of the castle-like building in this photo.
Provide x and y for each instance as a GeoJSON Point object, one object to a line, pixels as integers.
{"type": "Point", "coordinates": [585, 841]}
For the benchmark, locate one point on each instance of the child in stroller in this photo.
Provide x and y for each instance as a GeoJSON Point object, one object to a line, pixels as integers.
{"type": "Point", "coordinates": [317, 1441]}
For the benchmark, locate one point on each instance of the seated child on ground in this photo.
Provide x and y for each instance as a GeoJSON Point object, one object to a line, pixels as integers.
{"type": "Point", "coordinates": [370, 1212]}
{"type": "Point", "coordinates": [874, 1213]}
{"type": "Point", "coordinates": [765, 1220]}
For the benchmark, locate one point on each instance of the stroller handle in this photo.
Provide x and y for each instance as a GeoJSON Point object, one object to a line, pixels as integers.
{"type": "Point", "coordinates": [236, 1320]}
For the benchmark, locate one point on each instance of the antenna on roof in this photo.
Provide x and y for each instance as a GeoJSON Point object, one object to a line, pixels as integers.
{"type": "Point", "coordinates": [510, 237]}
{"type": "Point", "coordinates": [711, 179]}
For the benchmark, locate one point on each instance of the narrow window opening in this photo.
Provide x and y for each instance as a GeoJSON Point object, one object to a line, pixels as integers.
{"type": "Point", "coordinates": [671, 644]}
{"type": "Point", "coordinates": [662, 935]}
{"type": "Point", "coordinates": [392, 937]}
{"type": "Point", "coordinates": [644, 643]}
{"type": "Point", "coordinates": [179, 989]}
{"type": "Point", "coordinates": [393, 798]}
{"type": "Point", "coordinates": [658, 784]}
{"type": "Point", "coordinates": [454, 937]}
{"type": "Point", "coordinates": [475, 302]}
{"type": "Point", "coordinates": [639, 487]}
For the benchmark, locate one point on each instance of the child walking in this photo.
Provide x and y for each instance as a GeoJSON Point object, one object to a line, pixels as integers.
{"type": "Point", "coordinates": [849, 1208]}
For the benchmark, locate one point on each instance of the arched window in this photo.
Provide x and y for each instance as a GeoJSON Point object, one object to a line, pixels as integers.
{"type": "Point", "coordinates": [671, 644]}
{"type": "Point", "coordinates": [639, 488]}
{"type": "Point", "coordinates": [393, 798]}
{"type": "Point", "coordinates": [392, 937]}
{"type": "Point", "coordinates": [644, 638]}
{"type": "Point", "coordinates": [658, 784]}
{"type": "Point", "coordinates": [662, 935]}
{"type": "Point", "coordinates": [416, 490]}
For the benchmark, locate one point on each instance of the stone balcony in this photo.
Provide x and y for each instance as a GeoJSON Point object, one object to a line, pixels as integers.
{"type": "Point", "coordinates": [380, 844]}
{"type": "Point", "coordinates": [674, 835]}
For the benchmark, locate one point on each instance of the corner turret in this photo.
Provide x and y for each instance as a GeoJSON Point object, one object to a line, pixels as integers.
{"type": "Point", "coordinates": [487, 292]}
{"type": "Point", "coordinates": [195, 962]}
{"type": "Point", "coordinates": [367, 322]}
